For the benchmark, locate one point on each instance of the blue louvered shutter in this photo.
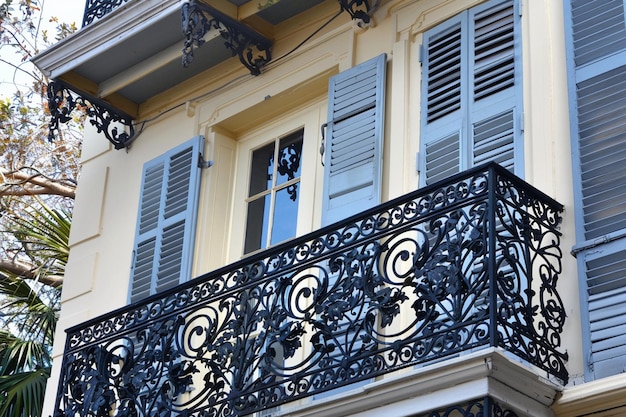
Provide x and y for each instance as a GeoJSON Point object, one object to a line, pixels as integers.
{"type": "Point", "coordinates": [354, 135]}
{"type": "Point", "coordinates": [166, 221]}
{"type": "Point", "coordinates": [444, 98]}
{"type": "Point", "coordinates": [471, 92]}
{"type": "Point", "coordinates": [597, 57]}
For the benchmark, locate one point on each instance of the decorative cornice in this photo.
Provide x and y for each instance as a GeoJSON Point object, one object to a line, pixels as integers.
{"type": "Point", "coordinates": [198, 19]}
{"type": "Point", "coordinates": [62, 101]}
{"type": "Point", "coordinates": [486, 372]}
{"type": "Point", "coordinates": [592, 398]}
{"type": "Point", "coordinates": [102, 35]}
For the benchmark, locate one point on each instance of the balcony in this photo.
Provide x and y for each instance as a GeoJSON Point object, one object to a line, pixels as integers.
{"type": "Point", "coordinates": [462, 265]}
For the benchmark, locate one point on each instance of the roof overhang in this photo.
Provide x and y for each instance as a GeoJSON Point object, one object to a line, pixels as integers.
{"type": "Point", "coordinates": [143, 48]}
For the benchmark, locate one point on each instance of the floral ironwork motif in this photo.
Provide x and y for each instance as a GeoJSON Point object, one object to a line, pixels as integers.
{"type": "Point", "coordinates": [354, 9]}
{"type": "Point", "coordinates": [62, 101]}
{"type": "Point", "coordinates": [472, 262]}
{"type": "Point", "coordinates": [482, 407]}
{"type": "Point", "coordinates": [252, 49]}
{"type": "Point", "coordinates": [96, 9]}
{"type": "Point", "coordinates": [288, 165]}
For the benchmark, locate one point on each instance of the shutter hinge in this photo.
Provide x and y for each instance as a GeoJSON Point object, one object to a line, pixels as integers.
{"type": "Point", "coordinates": [520, 7]}
{"type": "Point", "coordinates": [521, 122]}
{"type": "Point", "coordinates": [418, 162]}
{"type": "Point", "coordinates": [420, 54]}
{"type": "Point", "coordinates": [202, 163]}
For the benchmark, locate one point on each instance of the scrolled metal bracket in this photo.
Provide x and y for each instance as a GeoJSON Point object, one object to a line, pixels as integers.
{"type": "Point", "coordinates": [355, 9]}
{"type": "Point", "coordinates": [62, 101]}
{"type": "Point", "coordinates": [198, 19]}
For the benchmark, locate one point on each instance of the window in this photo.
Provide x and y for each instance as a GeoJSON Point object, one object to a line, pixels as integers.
{"type": "Point", "coordinates": [166, 221]}
{"type": "Point", "coordinates": [273, 196]}
{"type": "Point", "coordinates": [596, 37]}
{"type": "Point", "coordinates": [471, 92]}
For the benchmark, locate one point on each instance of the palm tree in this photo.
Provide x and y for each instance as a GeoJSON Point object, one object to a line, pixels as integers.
{"type": "Point", "coordinates": [29, 307]}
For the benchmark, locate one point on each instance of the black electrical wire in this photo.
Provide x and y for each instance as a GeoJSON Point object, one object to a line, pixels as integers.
{"type": "Point", "coordinates": [208, 93]}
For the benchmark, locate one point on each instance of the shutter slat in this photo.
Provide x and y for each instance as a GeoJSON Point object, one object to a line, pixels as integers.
{"type": "Point", "coordinates": [606, 291]}
{"type": "Point", "coordinates": [143, 270]}
{"type": "Point", "coordinates": [598, 37]}
{"type": "Point", "coordinates": [602, 143]}
{"type": "Point", "coordinates": [170, 256]}
{"type": "Point", "coordinates": [480, 81]}
{"type": "Point", "coordinates": [598, 28]}
{"type": "Point", "coordinates": [443, 67]}
{"type": "Point", "coordinates": [494, 140]}
{"type": "Point", "coordinates": [151, 199]}
{"type": "Point", "coordinates": [442, 158]}
{"type": "Point", "coordinates": [354, 144]}
{"type": "Point", "coordinates": [178, 183]}
{"type": "Point", "coordinates": [166, 221]}
{"type": "Point", "coordinates": [494, 51]}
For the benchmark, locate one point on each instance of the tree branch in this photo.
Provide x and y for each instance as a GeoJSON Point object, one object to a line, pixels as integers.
{"type": "Point", "coordinates": [46, 185]}
{"type": "Point", "coordinates": [24, 271]}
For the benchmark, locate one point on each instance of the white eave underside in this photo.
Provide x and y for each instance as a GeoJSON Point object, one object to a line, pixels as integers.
{"type": "Point", "coordinates": [122, 24]}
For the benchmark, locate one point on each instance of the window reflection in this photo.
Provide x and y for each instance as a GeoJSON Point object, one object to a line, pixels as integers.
{"type": "Point", "coordinates": [274, 192]}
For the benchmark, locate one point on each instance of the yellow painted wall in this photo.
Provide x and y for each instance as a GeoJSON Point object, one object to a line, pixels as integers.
{"type": "Point", "coordinates": [230, 107]}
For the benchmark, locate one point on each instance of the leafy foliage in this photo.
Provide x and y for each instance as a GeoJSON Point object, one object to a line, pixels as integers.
{"type": "Point", "coordinates": [37, 187]}
{"type": "Point", "coordinates": [24, 113]}
{"type": "Point", "coordinates": [30, 309]}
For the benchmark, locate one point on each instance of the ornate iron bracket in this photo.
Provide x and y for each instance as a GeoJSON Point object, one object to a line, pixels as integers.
{"type": "Point", "coordinates": [352, 7]}
{"type": "Point", "coordinates": [62, 101]}
{"type": "Point", "coordinates": [97, 9]}
{"type": "Point", "coordinates": [252, 48]}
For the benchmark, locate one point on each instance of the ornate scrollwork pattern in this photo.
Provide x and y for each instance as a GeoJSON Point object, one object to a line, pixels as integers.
{"type": "Point", "coordinates": [482, 407]}
{"type": "Point", "coordinates": [355, 9]}
{"type": "Point", "coordinates": [252, 49]}
{"type": "Point", "coordinates": [96, 9]}
{"type": "Point", "coordinates": [289, 164]}
{"type": "Point", "coordinates": [62, 101]}
{"type": "Point", "coordinates": [431, 274]}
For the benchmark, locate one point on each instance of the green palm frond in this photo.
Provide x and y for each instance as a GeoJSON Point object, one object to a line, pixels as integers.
{"type": "Point", "coordinates": [29, 308]}
{"type": "Point", "coordinates": [43, 234]}
{"type": "Point", "coordinates": [21, 394]}
{"type": "Point", "coordinates": [19, 354]}
{"type": "Point", "coordinates": [26, 311]}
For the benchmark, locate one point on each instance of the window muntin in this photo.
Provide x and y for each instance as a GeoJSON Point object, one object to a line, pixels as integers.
{"type": "Point", "coordinates": [273, 195]}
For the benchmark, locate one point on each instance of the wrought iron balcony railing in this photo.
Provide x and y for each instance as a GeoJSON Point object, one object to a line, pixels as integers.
{"type": "Point", "coordinates": [97, 9]}
{"type": "Point", "coordinates": [467, 263]}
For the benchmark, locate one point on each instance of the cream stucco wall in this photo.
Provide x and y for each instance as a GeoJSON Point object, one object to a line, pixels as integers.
{"type": "Point", "coordinates": [229, 107]}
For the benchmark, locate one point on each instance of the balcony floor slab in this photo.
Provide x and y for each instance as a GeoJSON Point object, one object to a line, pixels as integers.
{"type": "Point", "coordinates": [489, 372]}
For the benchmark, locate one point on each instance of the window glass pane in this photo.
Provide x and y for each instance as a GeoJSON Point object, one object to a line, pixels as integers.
{"type": "Point", "coordinates": [262, 169]}
{"type": "Point", "coordinates": [285, 213]}
{"type": "Point", "coordinates": [289, 157]}
{"type": "Point", "coordinates": [274, 181]}
{"type": "Point", "coordinates": [257, 224]}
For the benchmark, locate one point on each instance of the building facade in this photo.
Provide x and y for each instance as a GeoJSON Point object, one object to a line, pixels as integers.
{"type": "Point", "coordinates": [337, 208]}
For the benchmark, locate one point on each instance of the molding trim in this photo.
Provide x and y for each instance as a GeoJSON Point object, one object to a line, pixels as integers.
{"type": "Point", "coordinates": [103, 34]}
{"type": "Point", "coordinates": [593, 398]}
{"type": "Point", "coordinates": [489, 372]}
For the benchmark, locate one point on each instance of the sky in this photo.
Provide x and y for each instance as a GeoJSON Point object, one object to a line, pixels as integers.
{"type": "Point", "coordinates": [66, 11]}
